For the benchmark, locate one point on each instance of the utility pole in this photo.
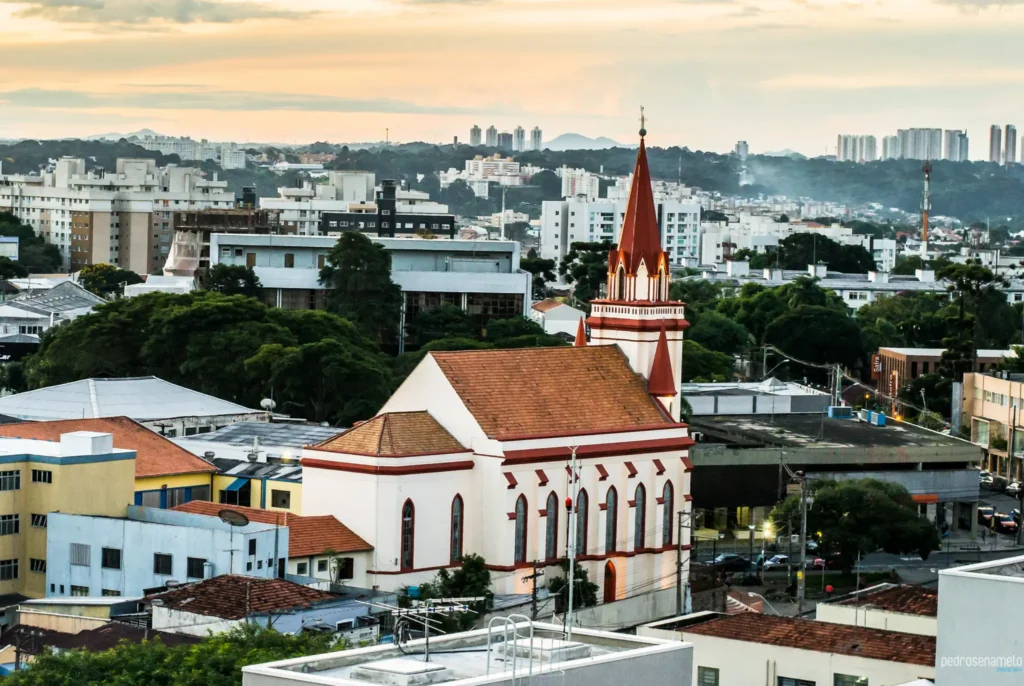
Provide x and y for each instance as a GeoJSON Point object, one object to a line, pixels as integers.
{"type": "Point", "coordinates": [802, 573]}
{"type": "Point", "coordinates": [789, 557]}
{"type": "Point", "coordinates": [574, 486]}
{"type": "Point", "coordinates": [533, 593]}
{"type": "Point", "coordinates": [679, 566]}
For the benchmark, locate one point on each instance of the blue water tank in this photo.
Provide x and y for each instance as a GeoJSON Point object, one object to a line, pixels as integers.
{"type": "Point", "coordinates": [414, 591]}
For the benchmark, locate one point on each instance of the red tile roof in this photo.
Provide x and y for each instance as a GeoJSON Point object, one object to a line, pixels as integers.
{"type": "Point", "coordinates": [230, 595]}
{"type": "Point", "coordinates": [546, 305]}
{"type": "Point", "coordinates": [306, 535]}
{"type": "Point", "coordinates": [907, 599]}
{"type": "Point", "coordinates": [662, 380]}
{"type": "Point", "coordinates": [533, 391]}
{"type": "Point", "coordinates": [822, 637]}
{"type": "Point", "coordinates": [154, 454]}
{"type": "Point", "coordinates": [395, 434]}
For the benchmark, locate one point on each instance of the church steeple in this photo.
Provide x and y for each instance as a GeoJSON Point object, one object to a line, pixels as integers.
{"type": "Point", "coordinates": [661, 382]}
{"type": "Point", "coordinates": [638, 268]}
{"type": "Point", "coordinates": [581, 335]}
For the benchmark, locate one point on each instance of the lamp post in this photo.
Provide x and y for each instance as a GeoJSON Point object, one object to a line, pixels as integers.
{"type": "Point", "coordinates": [758, 595]}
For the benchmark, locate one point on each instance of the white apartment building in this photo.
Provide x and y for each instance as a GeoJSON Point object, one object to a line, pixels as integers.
{"type": "Point", "coordinates": [579, 182]}
{"type": "Point", "coordinates": [536, 139]}
{"type": "Point", "coordinates": [481, 171]}
{"type": "Point", "coordinates": [495, 165]}
{"type": "Point", "coordinates": [227, 155]}
{"type": "Point", "coordinates": [856, 148]}
{"type": "Point", "coordinates": [564, 222]}
{"type": "Point", "coordinates": [956, 146]}
{"type": "Point", "coordinates": [920, 144]}
{"type": "Point", "coordinates": [891, 148]}
{"type": "Point", "coordinates": [124, 218]}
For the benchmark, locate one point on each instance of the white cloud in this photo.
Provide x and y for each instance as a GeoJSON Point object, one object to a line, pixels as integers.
{"type": "Point", "coordinates": [133, 12]}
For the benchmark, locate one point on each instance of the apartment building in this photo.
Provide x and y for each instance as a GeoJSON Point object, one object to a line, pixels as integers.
{"type": "Point", "coordinates": [227, 155]}
{"type": "Point", "coordinates": [124, 218]}
{"type": "Point", "coordinates": [564, 222]}
{"type": "Point", "coordinates": [82, 473]}
{"type": "Point", "coordinates": [992, 412]}
{"type": "Point", "coordinates": [576, 182]}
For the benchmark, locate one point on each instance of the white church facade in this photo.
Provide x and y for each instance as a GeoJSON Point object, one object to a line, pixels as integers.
{"type": "Point", "coordinates": [471, 454]}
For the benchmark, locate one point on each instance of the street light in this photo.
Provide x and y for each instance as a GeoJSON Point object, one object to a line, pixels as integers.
{"type": "Point", "coordinates": [758, 595]}
{"type": "Point", "coordinates": [773, 369]}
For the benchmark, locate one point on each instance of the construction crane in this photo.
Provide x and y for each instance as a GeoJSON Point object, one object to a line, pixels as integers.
{"type": "Point", "coordinates": [926, 206]}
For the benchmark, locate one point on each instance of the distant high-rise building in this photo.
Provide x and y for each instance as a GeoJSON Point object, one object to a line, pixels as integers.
{"type": "Point", "coordinates": [492, 137]}
{"type": "Point", "coordinates": [519, 139]}
{"type": "Point", "coordinates": [891, 148]}
{"type": "Point", "coordinates": [920, 144]}
{"type": "Point", "coordinates": [505, 141]}
{"type": "Point", "coordinates": [742, 149]}
{"type": "Point", "coordinates": [474, 136]}
{"type": "Point", "coordinates": [536, 139]}
{"type": "Point", "coordinates": [995, 144]}
{"type": "Point", "coordinates": [1010, 152]}
{"type": "Point", "coordinates": [956, 146]}
{"type": "Point", "coordinates": [856, 148]}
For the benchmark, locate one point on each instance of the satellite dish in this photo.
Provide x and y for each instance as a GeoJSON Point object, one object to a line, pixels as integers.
{"type": "Point", "coordinates": [233, 517]}
{"type": "Point", "coordinates": [268, 404]}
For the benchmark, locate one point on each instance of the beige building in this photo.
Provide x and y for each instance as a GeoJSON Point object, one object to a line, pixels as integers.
{"type": "Point", "coordinates": [991, 406]}
{"type": "Point", "coordinates": [124, 217]}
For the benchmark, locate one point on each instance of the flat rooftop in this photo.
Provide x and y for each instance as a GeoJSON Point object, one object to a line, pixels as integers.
{"type": "Point", "coordinates": [471, 656]}
{"type": "Point", "coordinates": [937, 352]}
{"type": "Point", "coordinates": [768, 387]}
{"type": "Point", "coordinates": [1009, 568]}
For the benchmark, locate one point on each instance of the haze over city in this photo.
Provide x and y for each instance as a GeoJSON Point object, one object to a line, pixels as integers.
{"type": "Point", "coordinates": [783, 74]}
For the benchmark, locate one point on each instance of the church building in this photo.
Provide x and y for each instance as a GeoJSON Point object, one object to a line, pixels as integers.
{"type": "Point", "coordinates": [471, 454]}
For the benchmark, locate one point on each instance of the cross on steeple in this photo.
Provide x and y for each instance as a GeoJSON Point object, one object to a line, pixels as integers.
{"type": "Point", "coordinates": [643, 122]}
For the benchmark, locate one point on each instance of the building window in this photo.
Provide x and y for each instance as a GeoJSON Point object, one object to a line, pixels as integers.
{"type": "Point", "coordinates": [321, 261]}
{"type": "Point", "coordinates": [242, 497]}
{"type": "Point", "coordinates": [321, 565]}
{"type": "Point", "coordinates": [582, 505]}
{"type": "Point", "coordinates": [110, 558]}
{"type": "Point", "coordinates": [455, 549]}
{"type": "Point", "coordinates": [162, 564]}
{"type": "Point", "coordinates": [282, 499]}
{"type": "Point", "coordinates": [847, 680]}
{"type": "Point", "coordinates": [110, 593]}
{"type": "Point", "coordinates": [36, 565]}
{"type": "Point", "coordinates": [520, 532]}
{"type": "Point", "coordinates": [640, 520]}
{"type": "Point", "coordinates": [707, 676]}
{"type": "Point", "coordinates": [551, 526]}
{"type": "Point", "coordinates": [194, 568]}
{"type": "Point", "coordinates": [10, 524]}
{"type": "Point", "coordinates": [8, 570]}
{"type": "Point", "coordinates": [80, 554]}
{"type": "Point", "coordinates": [787, 681]}
{"type": "Point", "coordinates": [10, 481]}
{"type": "Point", "coordinates": [302, 568]}
{"type": "Point", "coordinates": [289, 260]}
{"type": "Point", "coordinates": [39, 521]}
{"type": "Point", "coordinates": [80, 590]}
{"type": "Point", "coordinates": [408, 535]}
{"type": "Point", "coordinates": [667, 521]}
{"type": "Point", "coordinates": [42, 476]}
{"type": "Point", "coordinates": [611, 520]}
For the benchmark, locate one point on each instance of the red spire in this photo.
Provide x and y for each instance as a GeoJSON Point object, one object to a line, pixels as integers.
{"type": "Point", "coordinates": [641, 238]}
{"type": "Point", "coordinates": [581, 335]}
{"type": "Point", "coordinates": [661, 381]}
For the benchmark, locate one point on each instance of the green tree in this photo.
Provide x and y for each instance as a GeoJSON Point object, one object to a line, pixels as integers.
{"type": "Point", "coordinates": [698, 294]}
{"type": "Point", "coordinates": [34, 254]}
{"type": "Point", "coordinates": [701, 364]}
{"type": "Point", "coordinates": [9, 269]}
{"type": "Point", "coordinates": [938, 393]}
{"type": "Point", "coordinates": [907, 265]}
{"type": "Point", "coordinates": [717, 332]}
{"type": "Point", "coordinates": [446, 321]}
{"type": "Point", "coordinates": [585, 593]}
{"type": "Point", "coordinates": [817, 334]}
{"type": "Point", "coordinates": [862, 516]}
{"type": "Point", "coordinates": [233, 279]}
{"type": "Point", "coordinates": [105, 279]}
{"type": "Point", "coordinates": [471, 579]}
{"type": "Point", "coordinates": [543, 272]}
{"type": "Point", "coordinates": [586, 266]}
{"type": "Point", "coordinates": [358, 274]}
{"type": "Point", "coordinates": [975, 290]}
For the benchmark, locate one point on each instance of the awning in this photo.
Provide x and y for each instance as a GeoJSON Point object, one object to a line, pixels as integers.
{"type": "Point", "coordinates": [237, 484]}
{"type": "Point", "coordinates": [925, 498]}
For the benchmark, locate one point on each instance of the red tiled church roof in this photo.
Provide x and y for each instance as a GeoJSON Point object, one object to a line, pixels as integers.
{"type": "Point", "coordinates": [640, 239]}
{"type": "Point", "coordinates": [394, 434]}
{"type": "Point", "coordinates": [662, 380]}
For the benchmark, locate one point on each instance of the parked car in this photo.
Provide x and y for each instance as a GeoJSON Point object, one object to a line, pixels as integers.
{"type": "Point", "coordinates": [997, 484]}
{"type": "Point", "coordinates": [1013, 489]}
{"type": "Point", "coordinates": [776, 562]}
{"type": "Point", "coordinates": [1004, 523]}
{"type": "Point", "coordinates": [985, 482]}
{"type": "Point", "coordinates": [731, 562]}
{"type": "Point", "coordinates": [812, 546]}
{"type": "Point", "coordinates": [985, 515]}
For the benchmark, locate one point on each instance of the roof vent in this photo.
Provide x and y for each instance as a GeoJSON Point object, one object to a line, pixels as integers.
{"type": "Point", "coordinates": [209, 454]}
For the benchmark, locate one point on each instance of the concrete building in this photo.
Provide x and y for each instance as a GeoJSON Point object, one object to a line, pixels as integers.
{"type": "Point", "coordinates": [482, 657]}
{"type": "Point", "coordinates": [890, 148]}
{"type": "Point", "coordinates": [481, 277]}
{"type": "Point", "coordinates": [979, 640]}
{"type": "Point", "coordinates": [564, 222]}
{"type": "Point", "coordinates": [536, 139]}
{"type": "Point", "coordinates": [995, 144]}
{"type": "Point", "coordinates": [505, 141]}
{"type": "Point", "coordinates": [33, 312]}
{"type": "Point", "coordinates": [956, 146]}
{"type": "Point", "coordinates": [920, 144]}
{"type": "Point", "coordinates": [164, 407]}
{"type": "Point", "coordinates": [856, 148]}
{"type": "Point", "coordinates": [889, 607]}
{"type": "Point", "coordinates": [144, 550]}
{"type": "Point", "coordinates": [82, 473]}
{"type": "Point", "coordinates": [9, 247]}
{"type": "Point", "coordinates": [227, 155]}
{"type": "Point", "coordinates": [752, 648]}
{"type": "Point", "coordinates": [300, 210]}
{"type": "Point", "coordinates": [475, 137]}
{"type": "Point", "coordinates": [224, 602]}
{"type": "Point", "coordinates": [1010, 140]}
{"type": "Point", "coordinates": [495, 165]}
{"type": "Point", "coordinates": [742, 149]}
{"type": "Point", "coordinates": [492, 137]}
{"type": "Point", "coordinates": [394, 212]}
{"type": "Point", "coordinates": [557, 317]}
{"type": "Point", "coordinates": [319, 548]}
{"type": "Point", "coordinates": [766, 397]}
{"type": "Point", "coordinates": [165, 475]}
{"type": "Point", "coordinates": [900, 366]}
{"type": "Point", "coordinates": [579, 182]}
{"type": "Point", "coordinates": [991, 403]}
{"type": "Point", "coordinates": [190, 249]}
{"type": "Point", "coordinates": [519, 139]}
{"type": "Point", "coordinates": [123, 218]}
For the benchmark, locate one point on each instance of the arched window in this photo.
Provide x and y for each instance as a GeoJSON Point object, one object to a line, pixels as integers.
{"type": "Point", "coordinates": [611, 520]}
{"type": "Point", "coordinates": [551, 542]}
{"type": "Point", "coordinates": [457, 516]}
{"type": "Point", "coordinates": [668, 516]}
{"type": "Point", "coordinates": [521, 530]}
{"type": "Point", "coordinates": [408, 535]}
{"type": "Point", "coordinates": [582, 505]}
{"type": "Point", "coordinates": [640, 521]}
{"type": "Point", "coordinates": [620, 284]}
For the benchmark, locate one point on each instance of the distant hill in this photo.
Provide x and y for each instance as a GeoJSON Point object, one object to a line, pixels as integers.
{"type": "Point", "coordinates": [118, 136]}
{"type": "Point", "coordinates": [792, 154]}
{"type": "Point", "coordinates": [575, 141]}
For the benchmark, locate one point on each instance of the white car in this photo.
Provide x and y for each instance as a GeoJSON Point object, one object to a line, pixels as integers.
{"type": "Point", "coordinates": [776, 562]}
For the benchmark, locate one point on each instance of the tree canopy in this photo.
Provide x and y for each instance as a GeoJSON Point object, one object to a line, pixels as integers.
{"type": "Point", "coordinates": [233, 279]}
{"type": "Point", "coordinates": [105, 279]}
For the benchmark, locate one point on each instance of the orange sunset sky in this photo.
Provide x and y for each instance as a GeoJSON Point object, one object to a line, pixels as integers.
{"type": "Point", "coordinates": [779, 73]}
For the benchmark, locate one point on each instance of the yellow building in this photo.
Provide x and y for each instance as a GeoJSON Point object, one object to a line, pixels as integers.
{"type": "Point", "coordinates": [80, 472]}
{"type": "Point", "coordinates": [993, 412]}
{"type": "Point", "coordinates": [165, 474]}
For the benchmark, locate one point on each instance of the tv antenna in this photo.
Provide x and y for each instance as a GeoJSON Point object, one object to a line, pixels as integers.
{"type": "Point", "coordinates": [234, 518]}
{"type": "Point", "coordinates": [421, 611]}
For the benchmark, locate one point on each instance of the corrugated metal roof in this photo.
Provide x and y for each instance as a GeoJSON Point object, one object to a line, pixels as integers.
{"type": "Point", "coordinates": [277, 435]}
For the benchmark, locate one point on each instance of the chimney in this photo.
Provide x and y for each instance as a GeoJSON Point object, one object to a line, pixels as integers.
{"type": "Point", "coordinates": [878, 277]}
